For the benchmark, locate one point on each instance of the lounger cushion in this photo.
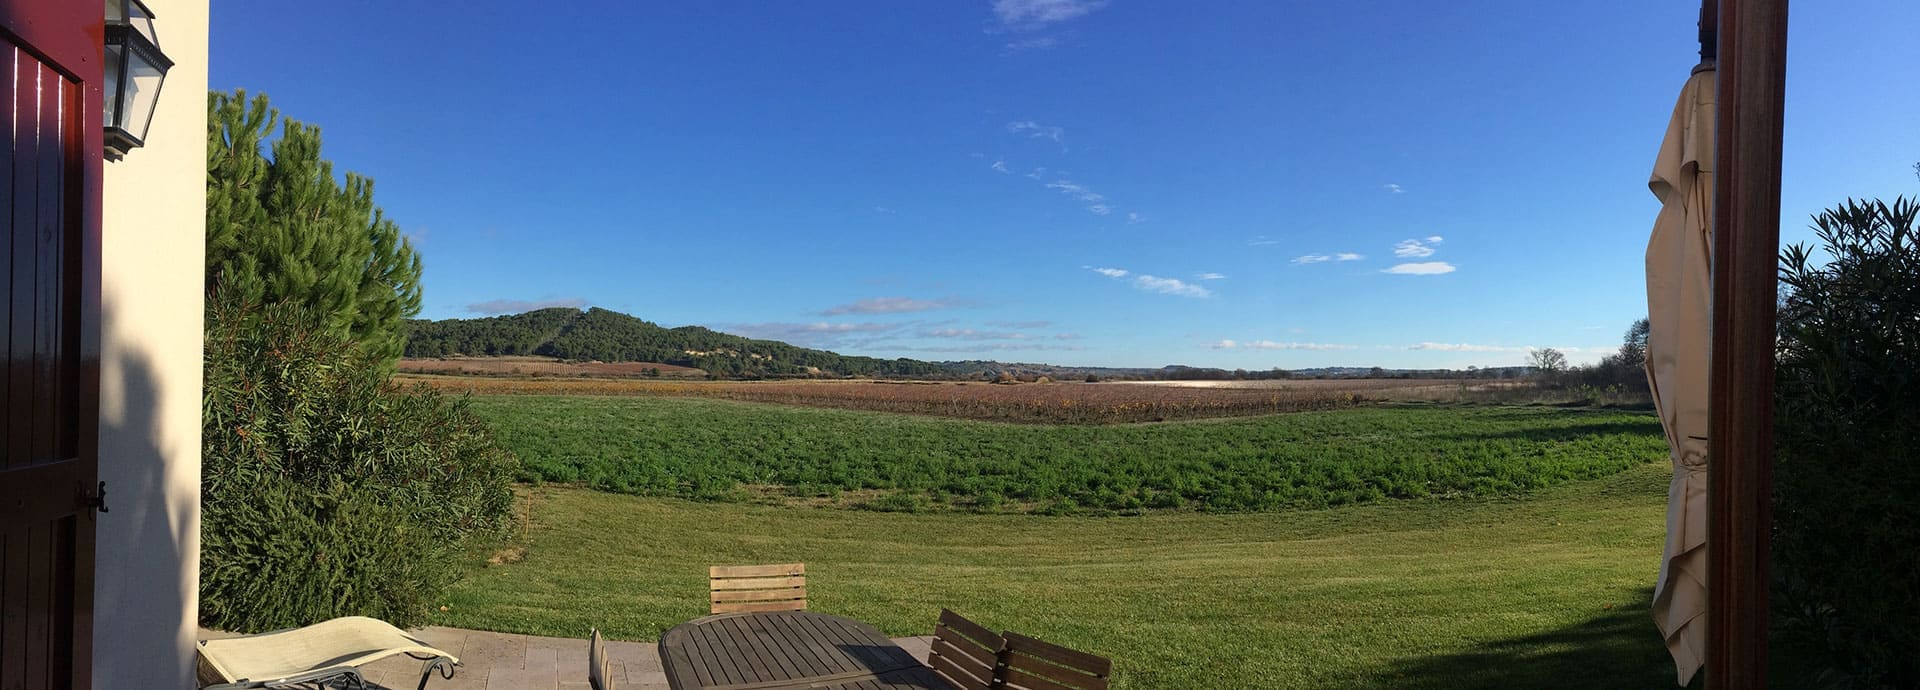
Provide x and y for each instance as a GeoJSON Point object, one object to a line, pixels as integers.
{"type": "Point", "coordinates": [336, 644]}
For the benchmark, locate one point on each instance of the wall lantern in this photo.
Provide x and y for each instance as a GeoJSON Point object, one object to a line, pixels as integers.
{"type": "Point", "coordinates": [135, 67]}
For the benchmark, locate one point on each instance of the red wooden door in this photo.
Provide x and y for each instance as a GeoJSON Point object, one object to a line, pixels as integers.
{"type": "Point", "coordinates": [50, 71]}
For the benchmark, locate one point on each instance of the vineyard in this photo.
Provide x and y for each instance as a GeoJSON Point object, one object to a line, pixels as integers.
{"type": "Point", "coordinates": [1032, 403]}
{"type": "Point", "coordinates": [722, 450]}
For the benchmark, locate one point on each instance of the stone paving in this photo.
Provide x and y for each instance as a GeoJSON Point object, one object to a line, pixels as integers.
{"type": "Point", "coordinates": [502, 661]}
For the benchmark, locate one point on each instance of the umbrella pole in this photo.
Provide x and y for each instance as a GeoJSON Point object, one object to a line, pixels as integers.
{"type": "Point", "coordinates": [1752, 38]}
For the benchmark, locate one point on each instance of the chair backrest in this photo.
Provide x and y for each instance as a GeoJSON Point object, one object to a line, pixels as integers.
{"type": "Point", "coordinates": [598, 667]}
{"type": "Point", "coordinates": [964, 654]}
{"type": "Point", "coordinates": [740, 588]}
{"type": "Point", "coordinates": [1031, 664]}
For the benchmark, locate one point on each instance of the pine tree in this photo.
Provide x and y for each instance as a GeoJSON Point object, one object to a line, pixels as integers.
{"type": "Point", "coordinates": [281, 228]}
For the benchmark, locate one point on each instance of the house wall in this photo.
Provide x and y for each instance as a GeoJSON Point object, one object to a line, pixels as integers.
{"type": "Point", "coordinates": [153, 248]}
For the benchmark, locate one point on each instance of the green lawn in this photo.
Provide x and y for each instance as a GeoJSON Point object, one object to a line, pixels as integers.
{"type": "Point", "coordinates": [1550, 590]}
{"type": "Point", "coordinates": [728, 451]}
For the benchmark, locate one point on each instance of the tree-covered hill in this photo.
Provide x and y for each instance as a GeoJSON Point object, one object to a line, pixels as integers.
{"type": "Point", "coordinates": [610, 336]}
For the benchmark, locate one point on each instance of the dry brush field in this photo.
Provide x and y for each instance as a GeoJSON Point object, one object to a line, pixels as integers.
{"type": "Point", "coordinates": [1032, 403]}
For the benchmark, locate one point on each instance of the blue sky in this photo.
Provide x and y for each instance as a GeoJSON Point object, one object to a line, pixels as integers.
{"type": "Point", "coordinates": [1123, 183]}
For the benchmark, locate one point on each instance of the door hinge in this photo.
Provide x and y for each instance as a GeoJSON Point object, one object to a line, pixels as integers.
{"type": "Point", "coordinates": [97, 499]}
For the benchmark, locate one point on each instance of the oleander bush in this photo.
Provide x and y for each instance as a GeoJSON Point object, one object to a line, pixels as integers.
{"type": "Point", "coordinates": [327, 491]}
{"type": "Point", "coordinates": [1847, 435]}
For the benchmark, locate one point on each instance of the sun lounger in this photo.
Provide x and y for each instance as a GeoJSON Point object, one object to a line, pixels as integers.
{"type": "Point", "coordinates": [332, 651]}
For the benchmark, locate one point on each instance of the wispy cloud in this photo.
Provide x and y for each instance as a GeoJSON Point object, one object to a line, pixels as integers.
{"type": "Point", "coordinates": [1075, 190]}
{"type": "Point", "coordinates": [1020, 325]}
{"type": "Point", "coordinates": [1262, 241]}
{"type": "Point", "coordinates": [815, 334]}
{"type": "Point", "coordinates": [1035, 130]}
{"type": "Point", "coordinates": [1000, 167]}
{"type": "Point", "coordinates": [1312, 259]}
{"type": "Point", "coordinates": [1135, 218]}
{"type": "Point", "coordinates": [1155, 284]}
{"type": "Point", "coordinates": [1211, 276]}
{"type": "Point", "coordinates": [1274, 345]}
{"type": "Point", "coordinates": [1170, 286]}
{"type": "Point", "coordinates": [1413, 249]}
{"type": "Point", "coordinates": [985, 347]}
{"type": "Point", "coordinates": [1435, 239]}
{"type": "Point", "coordinates": [1033, 15]}
{"type": "Point", "coordinates": [1100, 209]}
{"type": "Point", "coordinates": [1348, 256]}
{"type": "Point", "coordinates": [1393, 188]}
{"type": "Point", "coordinates": [1467, 347]}
{"type": "Point", "coordinates": [515, 306]}
{"type": "Point", "coordinates": [971, 334]}
{"type": "Point", "coordinates": [891, 305]}
{"type": "Point", "coordinates": [1032, 43]}
{"type": "Point", "coordinates": [1424, 268]}
{"type": "Point", "coordinates": [882, 210]}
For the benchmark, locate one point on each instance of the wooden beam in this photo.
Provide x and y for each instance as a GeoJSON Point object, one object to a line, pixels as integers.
{"type": "Point", "coordinates": [1752, 77]}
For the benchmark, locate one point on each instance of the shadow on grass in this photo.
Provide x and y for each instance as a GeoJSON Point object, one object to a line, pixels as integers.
{"type": "Point", "coordinates": [1618, 649]}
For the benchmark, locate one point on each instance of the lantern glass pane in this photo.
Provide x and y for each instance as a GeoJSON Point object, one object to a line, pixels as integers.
{"type": "Point", "coordinates": [142, 22]}
{"type": "Point", "coordinates": [116, 10]}
{"type": "Point", "coordinates": [142, 91]}
{"type": "Point", "coordinates": [115, 57]}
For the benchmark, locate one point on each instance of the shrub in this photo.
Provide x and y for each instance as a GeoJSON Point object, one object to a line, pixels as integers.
{"type": "Point", "coordinates": [326, 490]}
{"type": "Point", "coordinates": [1847, 404]}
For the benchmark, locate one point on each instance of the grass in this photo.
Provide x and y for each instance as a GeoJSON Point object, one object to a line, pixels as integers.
{"type": "Point", "coordinates": [1546, 591]}
{"type": "Point", "coordinates": [730, 451]}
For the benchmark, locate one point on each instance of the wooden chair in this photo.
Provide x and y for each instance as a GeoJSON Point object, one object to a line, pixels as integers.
{"type": "Point", "coordinates": [1030, 664]}
{"type": "Point", "coordinates": [965, 655]}
{"type": "Point", "coordinates": [599, 671]}
{"type": "Point", "coordinates": [743, 588]}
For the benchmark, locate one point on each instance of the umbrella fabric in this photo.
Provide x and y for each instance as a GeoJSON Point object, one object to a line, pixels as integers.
{"type": "Point", "coordinates": [1679, 307]}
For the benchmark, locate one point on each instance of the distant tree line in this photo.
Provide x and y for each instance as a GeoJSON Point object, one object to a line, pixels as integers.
{"type": "Point", "coordinates": [609, 336]}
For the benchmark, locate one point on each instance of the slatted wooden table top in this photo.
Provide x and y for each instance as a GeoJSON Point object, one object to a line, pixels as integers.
{"type": "Point", "coordinates": [788, 650]}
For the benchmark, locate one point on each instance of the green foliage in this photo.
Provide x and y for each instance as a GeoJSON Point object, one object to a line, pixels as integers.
{"type": "Point", "coordinates": [281, 228]}
{"type": "Point", "coordinates": [706, 449]}
{"type": "Point", "coordinates": [1847, 401]}
{"type": "Point", "coordinates": [610, 336]}
{"type": "Point", "coordinates": [326, 491]}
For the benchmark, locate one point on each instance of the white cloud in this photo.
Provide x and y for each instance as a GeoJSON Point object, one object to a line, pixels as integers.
{"type": "Point", "coordinates": [1100, 209]}
{"type": "Point", "coordinates": [515, 306]}
{"type": "Point", "coordinates": [1000, 167]}
{"type": "Point", "coordinates": [1435, 239]}
{"type": "Point", "coordinates": [1273, 345]}
{"type": "Point", "coordinates": [1425, 268]}
{"type": "Point", "coordinates": [1075, 190]}
{"type": "Point", "coordinates": [1029, 15]}
{"type": "Point", "coordinates": [971, 334]}
{"type": "Point", "coordinates": [1034, 43]}
{"type": "Point", "coordinates": [1170, 286]}
{"type": "Point", "coordinates": [1348, 256]}
{"type": "Point", "coordinates": [1108, 272]}
{"type": "Point", "coordinates": [1312, 259]}
{"type": "Point", "coordinates": [1037, 131]}
{"type": "Point", "coordinates": [1467, 347]}
{"type": "Point", "coordinates": [1261, 241]}
{"type": "Point", "coordinates": [1135, 218]}
{"type": "Point", "coordinates": [987, 347]}
{"type": "Point", "coordinates": [891, 305]}
{"type": "Point", "coordinates": [1211, 276]}
{"type": "Point", "coordinates": [1021, 325]}
{"type": "Point", "coordinates": [1412, 249]}
{"type": "Point", "coordinates": [815, 334]}
{"type": "Point", "coordinates": [1393, 189]}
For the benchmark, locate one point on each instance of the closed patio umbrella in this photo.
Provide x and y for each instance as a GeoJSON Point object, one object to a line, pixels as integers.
{"type": "Point", "coordinates": [1679, 345]}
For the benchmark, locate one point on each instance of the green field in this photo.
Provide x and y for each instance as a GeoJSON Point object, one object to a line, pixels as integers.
{"type": "Point", "coordinates": [731, 451]}
{"type": "Point", "coordinates": [1546, 591]}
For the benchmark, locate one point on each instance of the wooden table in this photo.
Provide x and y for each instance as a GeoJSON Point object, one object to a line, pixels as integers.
{"type": "Point", "coordinates": [786, 650]}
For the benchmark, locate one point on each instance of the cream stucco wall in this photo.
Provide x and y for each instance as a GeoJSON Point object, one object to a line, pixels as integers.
{"type": "Point", "coordinates": [153, 252]}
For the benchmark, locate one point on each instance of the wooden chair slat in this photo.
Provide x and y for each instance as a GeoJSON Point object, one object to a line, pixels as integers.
{"type": "Point", "coordinates": [757, 594]}
{"type": "Point", "coordinates": [1018, 644]}
{"type": "Point", "coordinates": [782, 570]}
{"type": "Point", "coordinates": [968, 654]}
{"type": "Point", "coordinates": [1021, 679]}
{"type": "Point", "coordinates": [761, 606]}
{"type": "Point", "coordinates": [968, 629]}
{"type": "Point", "coordinates": [599, 667]}
{"type": "Point", "coordinates": [962, 676]}
{"type": "Point", "coordinates": [757, 583]}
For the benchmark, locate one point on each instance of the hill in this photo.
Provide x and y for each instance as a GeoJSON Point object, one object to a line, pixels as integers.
{"type": "Point", "coordinates": [609, 336]}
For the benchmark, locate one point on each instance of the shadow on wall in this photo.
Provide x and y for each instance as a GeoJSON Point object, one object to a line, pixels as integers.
{"type": "Point", "coordinates": [1618, 649]}
{"type": "Point", "coordinates": [147, 553]}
